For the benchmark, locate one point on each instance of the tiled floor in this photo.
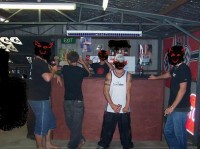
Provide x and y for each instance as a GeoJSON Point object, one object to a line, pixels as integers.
{"type": "Point", "coordinates": [16, 139]}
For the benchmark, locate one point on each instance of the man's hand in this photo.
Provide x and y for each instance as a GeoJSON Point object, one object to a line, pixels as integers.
{"type": "Point", "coordinates": [152, 77]}
{"type": "Point", "coordinates": [125, 109]}
{"type": "Point", "coordinates": [59, 80]}
{"type": "Point", "coordinates": [54, 69]}
{"type": "Point", "coordinates": [168, 111]}
{"type": "Point", "coordinates": [116, 108]}
{"type": "Point", "coordinates": [80, 60]}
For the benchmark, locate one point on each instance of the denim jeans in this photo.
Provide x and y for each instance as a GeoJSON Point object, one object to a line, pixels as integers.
{"type": "Point", "coordinates": [74, 111]}
{"type": "Point", "coordinates": [44, 117]}
{"type": "Point", "coordinates": [175, 130]}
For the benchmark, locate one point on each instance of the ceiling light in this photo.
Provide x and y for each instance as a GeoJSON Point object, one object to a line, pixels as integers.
{"type": "Point", "coordinates": [3, 19]}
{"type": "Point", "coordinates": [105, 4]}
{"type": "Point", "coordinates": [21, 5]}
{"type": "Point", "coordinates": [93, 33]}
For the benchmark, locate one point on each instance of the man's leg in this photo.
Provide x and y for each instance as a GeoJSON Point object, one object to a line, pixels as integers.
{"type": "Point", "coordinates": [68, 111]}
{"type": "Point", "coordinates": [169, 132]}
{"type": "Point", "coordinates": [175, 131]}
{"type": "Point", "coordinates": [124, 125]}
{"type": "Point", "coordinates": [48, 143]}
{"type": "Point", "coordinates": [108, 129]}
{"type": "Point", "coordinates": [74, 111]}
{"type": "Point", "coordinates": [77, 139]}
{"type": "Point", "coordinates": [180, 119]}
{"type": "Point", "coordinates": [39, 141]}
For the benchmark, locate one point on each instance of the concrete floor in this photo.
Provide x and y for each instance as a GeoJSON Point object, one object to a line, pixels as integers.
{"type": "Point", "coordinates": [16, 139]}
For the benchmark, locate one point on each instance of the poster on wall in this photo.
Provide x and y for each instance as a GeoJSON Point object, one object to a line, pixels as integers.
{"type": "Point", "coordinates": [145, 54]}
{"type": "Point", "coordinates": [85, 44]}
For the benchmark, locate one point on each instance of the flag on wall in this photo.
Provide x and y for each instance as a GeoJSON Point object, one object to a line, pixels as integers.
{"type": "Point", "coordinates": [191, 52]}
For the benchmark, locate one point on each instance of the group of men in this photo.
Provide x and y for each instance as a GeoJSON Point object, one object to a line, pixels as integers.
{"type": "Point", "coordinates": [117, 92]}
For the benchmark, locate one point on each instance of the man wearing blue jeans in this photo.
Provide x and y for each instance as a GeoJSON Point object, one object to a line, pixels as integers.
{"type": "Point", "coordinates": [179, 100]}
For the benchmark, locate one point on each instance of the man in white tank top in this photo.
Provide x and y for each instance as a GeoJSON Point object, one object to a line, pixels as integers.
{"type": "Point", "coordinates": [117, 88]}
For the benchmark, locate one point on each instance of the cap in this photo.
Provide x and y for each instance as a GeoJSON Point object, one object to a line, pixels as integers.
{"type": "Point", "coordinates": [99, 47]}
{"type": "Point", "coordinates": [119, 58]}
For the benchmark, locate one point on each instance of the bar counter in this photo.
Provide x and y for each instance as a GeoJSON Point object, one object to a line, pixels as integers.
{"type": "Point", "coordinates": [147, 102]}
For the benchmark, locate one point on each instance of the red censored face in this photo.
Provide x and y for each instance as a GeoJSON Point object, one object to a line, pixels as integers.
{"type": "Point", "coordinates": [43, 49]}
{"type": "Point", "coordinates": [175, 55]}
{"type": "Point", "coordinates": [176, 58]}
{"type": "Point", "coordinates": [119, 65]}
{"type": "Point", "coordinates": [103, 55]}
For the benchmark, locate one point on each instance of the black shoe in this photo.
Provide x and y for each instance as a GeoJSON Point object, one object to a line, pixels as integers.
{"type": "Point", "coordinates": [30, 136]}
{"type": "Point", "coordinates": [82, 142]}
{"type": "Point", "coordinates": [130, 147]}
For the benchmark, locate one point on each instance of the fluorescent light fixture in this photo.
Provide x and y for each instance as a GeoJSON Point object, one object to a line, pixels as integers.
{"type": "Point", "coordinates": [22, 5]}
{"type": "Point", "coordinates": [105, 4]}
{"type": "Point", "coordinates": [104, 33]}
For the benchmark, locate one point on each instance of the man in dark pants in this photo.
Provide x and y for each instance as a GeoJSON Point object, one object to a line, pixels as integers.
{"type": "Point", "coordinates": [74, 104]}
{"type": "Point", "coordinates": [117, 91]}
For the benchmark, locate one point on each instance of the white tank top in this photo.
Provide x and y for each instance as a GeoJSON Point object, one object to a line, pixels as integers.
{"type": "Point", "coordinates": [117, 91]}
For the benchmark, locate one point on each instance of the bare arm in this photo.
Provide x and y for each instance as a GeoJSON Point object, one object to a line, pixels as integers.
{"type": "Point", "coordinates": [128, 92]}
{"type": "Point", "coordinates": [106, 89]}
{"type": "Point", "coordinates": [82, 62]}
{"type": "Point", "coordinates": [58, 79]}
{"type": "Point", "coordinates": [49, 75]}
{"type": "Point", "coordinates": [163, 76]}
{"type": "Point", "coordinates": [181, 92]}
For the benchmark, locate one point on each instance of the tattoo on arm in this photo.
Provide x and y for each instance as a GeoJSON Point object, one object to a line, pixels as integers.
{"type": "Point", "coordinates": [107, 81]}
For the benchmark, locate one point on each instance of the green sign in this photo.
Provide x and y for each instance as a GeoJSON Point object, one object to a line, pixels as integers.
{"type": "Point", "coordinates": [68, 40]}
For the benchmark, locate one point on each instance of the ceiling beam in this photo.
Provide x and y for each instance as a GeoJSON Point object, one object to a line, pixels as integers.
{"type": "Point", "coordinates": [173, 6]}
{"type": "Point", "coordinates": [183, 30]}
{"type": "Point", "coordinates": [137, 13]}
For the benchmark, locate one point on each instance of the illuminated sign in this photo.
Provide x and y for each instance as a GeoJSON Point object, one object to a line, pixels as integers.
{"type": "Point", "coordinates": [191, 115]}
{"type": "Point", "coordinates": [68, 40]}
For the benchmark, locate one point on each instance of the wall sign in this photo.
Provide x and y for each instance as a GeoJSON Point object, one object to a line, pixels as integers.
{"type": "Point", "coordinates": [191, 115]}
{"type": "Point", "coordinates": [68, 40]}
{"type": "Point", "coordinates": [8, 43]}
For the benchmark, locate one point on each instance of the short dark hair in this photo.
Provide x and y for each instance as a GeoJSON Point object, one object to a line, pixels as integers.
{"type": "Point", "coordinates": [72, 56]}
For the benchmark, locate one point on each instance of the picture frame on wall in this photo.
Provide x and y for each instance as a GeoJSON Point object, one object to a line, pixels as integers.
{"type": "Point", "coordinates": [145, 54]}
{"type": "Point", "coordinates": [85, 44]}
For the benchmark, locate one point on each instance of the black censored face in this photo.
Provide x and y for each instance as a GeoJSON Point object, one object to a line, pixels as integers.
{"type": "Point", "coordinates": [175, 55]}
